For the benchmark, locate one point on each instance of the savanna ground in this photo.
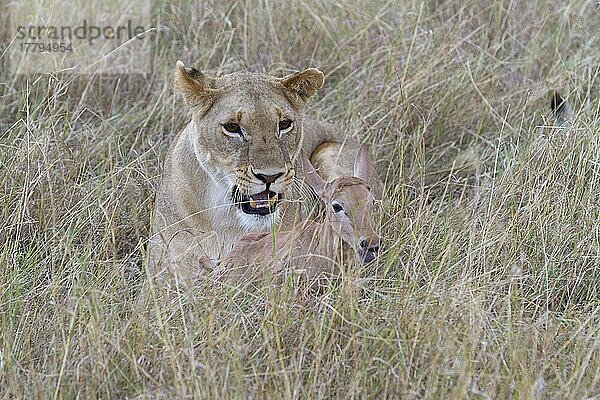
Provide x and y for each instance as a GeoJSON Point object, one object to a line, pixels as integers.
{"type": "Point", "coordinates": [488, 288]}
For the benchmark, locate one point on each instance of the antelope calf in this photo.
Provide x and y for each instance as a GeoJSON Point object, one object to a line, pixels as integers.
{"type": "Point", "coordinates": [313, 248]}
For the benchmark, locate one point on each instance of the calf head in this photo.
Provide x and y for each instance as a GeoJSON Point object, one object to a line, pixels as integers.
{"type": "Point", "coordinates": [349, 204]}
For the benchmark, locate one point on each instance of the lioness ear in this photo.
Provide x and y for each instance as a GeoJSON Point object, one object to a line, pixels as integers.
{"type": "Point", "coordinates": [363, 166]}
{"type": "Point", "coordinates": [311, 176]}
{"type": "Point", "coordinates": [304, 84]}
{"type": "Point", "coordinates": [195, 87]}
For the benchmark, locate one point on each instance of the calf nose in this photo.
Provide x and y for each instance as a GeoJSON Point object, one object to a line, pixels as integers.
{"type": "Point", "coordinates": [369, 249]}
{"type": "Point", "coordinates": [371, 244]}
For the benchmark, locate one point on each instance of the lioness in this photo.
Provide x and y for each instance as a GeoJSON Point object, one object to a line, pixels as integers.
{"type": "Point", "coordinates": [231, 170]}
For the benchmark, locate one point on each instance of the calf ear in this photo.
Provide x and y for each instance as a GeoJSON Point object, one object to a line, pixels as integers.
{"type": "Point", "coordinates": [311, 176]}
{"type": "Point", "coordinates": [304, 84]}
{"type": "Point", "coordinates": [363, 166]}
{"type": "Point", "coordinates": [195, 87]}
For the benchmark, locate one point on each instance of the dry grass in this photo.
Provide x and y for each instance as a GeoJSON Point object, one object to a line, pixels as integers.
{"type": "Point", "coordinates": [489, 286]}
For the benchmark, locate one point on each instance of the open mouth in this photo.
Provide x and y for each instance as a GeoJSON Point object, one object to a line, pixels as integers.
{"type": "Point", "coordinates": [262, 203]}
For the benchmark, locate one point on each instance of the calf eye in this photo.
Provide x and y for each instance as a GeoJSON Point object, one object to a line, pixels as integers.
{"type": "Point", "coordinates": [285, 126]}
{"type": "Point", "coordinates": [337, 208]}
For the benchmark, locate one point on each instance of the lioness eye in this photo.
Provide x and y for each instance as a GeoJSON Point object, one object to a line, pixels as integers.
{"type": "Point", "coordinates": [285, 126]}
{"type": "Point", "coordinates": [232, 127]}
{"type": "Point", "coordinates": [337, 208]}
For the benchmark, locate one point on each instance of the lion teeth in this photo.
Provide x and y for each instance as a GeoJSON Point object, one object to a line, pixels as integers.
{"type": "Point", "coordinates": [263, 201]}
{"type": "Point", "coordinates": [272, 201]}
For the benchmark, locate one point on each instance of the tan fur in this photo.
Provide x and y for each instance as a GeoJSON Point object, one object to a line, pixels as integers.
{"type": "Point", "coordinates": [333, 160]}
{"type": "Point", "coordinates": [194, 215]}
{"type": "Point", "coordinates": [311, 248]}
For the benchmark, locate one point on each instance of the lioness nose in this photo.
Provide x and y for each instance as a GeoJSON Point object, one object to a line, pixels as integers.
{"type": "Point", "coordinates": [268, 178]}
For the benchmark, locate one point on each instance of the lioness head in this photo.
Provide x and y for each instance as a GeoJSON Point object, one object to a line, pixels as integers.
{"type": "Point", "coordinates": [247, 132]}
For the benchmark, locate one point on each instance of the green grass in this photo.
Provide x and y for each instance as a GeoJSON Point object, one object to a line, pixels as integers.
{"type": "Point", "coordinates": [489, 287]}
